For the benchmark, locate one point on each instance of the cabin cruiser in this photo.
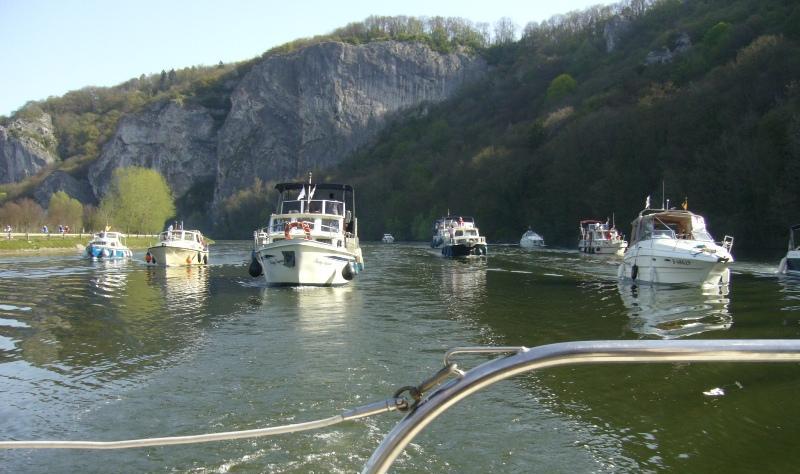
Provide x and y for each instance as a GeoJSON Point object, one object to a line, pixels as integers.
{"type": "Point", "coordinates": [387, 239]}
{"type": "Point", "coordinates": [673, 246]}
{"type": "Point", "coordinates": [791, 262]}
{"type": "Point", "coordinates": [458, 237]}
{"type": "Point", "coordinates": [108, 245]}
{"type": "Point", "coordinates": [531, 239]}
{"type": "Point", "coordinates": [178, 247]}
{"type": "Point", "coordinates": [311, 239]}
{"type": "Point", "coordinates": [598, 238]}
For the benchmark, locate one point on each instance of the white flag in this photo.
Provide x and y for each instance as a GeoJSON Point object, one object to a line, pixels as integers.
{"type": "Point", "coordinates": [311, 193]}
{"type": "Point", "coordinates": [302, 194]}
{"type": "Point", "coordinates": [647, 202]}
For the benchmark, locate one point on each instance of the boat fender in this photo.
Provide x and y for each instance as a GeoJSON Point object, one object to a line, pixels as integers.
{"type": "Point", "coordinates": [205, 259]}
{"type": "Point", "coordinates": [255, 269]}
{"type": "Point", "coordinates": [634, 272]}
{"type": "Point", "coordinates": [348, 272]}
{"type": "Point", "coordinates": [188, 260]}
{"type": "Point", "coordinates": [597, 250]}
{"type": "Point", "coordinates": [148, 257]}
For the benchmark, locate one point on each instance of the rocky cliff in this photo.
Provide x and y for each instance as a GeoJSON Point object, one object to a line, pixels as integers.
{"type": "Point", "coordinates": [313, 107]}
{"type": "Point", "coordinates": [26, 146]}
{"type": "Point", "coordinates": [178, 141]}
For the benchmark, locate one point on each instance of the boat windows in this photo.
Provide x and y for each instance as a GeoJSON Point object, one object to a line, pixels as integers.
{"type": "Point", "coordinates": [315, 207]}
{"type": "Point", "coordinates": [291, 207]}
{"type": "Point", "coordinates": [333, 207]}
{"type": "Point", "coordinates": [330, 225]}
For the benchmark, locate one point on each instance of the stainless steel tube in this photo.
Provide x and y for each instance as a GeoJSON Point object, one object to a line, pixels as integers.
{"type": "Point", "coordinates": [573, 353]}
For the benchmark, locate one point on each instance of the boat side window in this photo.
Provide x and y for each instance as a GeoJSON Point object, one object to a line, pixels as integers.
{"type": "Point", "coordinates": [459, 233]}
{"type": "Point", "coordinates": [330, 225]}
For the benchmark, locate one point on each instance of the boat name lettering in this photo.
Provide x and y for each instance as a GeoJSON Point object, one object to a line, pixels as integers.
{"type": "Point", "coordinates": [680, 261]}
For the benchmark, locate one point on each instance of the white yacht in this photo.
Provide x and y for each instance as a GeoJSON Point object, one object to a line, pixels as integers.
{"type": "Point", "coordinates": [598, 238]}
{"type": "Point", "coordinates": [458, 237]}
{"type": "Point", "coordinates": [387, 239]}
{"type": "Point", "coordinates": [531, 240]}
{"type": "Point", "coordinates": [108, 245]}
{"type": "Point", "coordinates": [311, 239]}
{"type": "Point", "coordinates": [673, 246]}
{"type": "Point", "coordinates": [791, 262]}
{"type": "Point", "coordinates": [178, 247]}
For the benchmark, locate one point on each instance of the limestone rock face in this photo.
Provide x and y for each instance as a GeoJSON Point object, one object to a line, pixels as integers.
{"type": "Point", "coordinates": [61, 181]}
{"type": "Point", "coordinates": [311, 108]}
{"type": "Point", "coordinates": [177, 141]}
{"type": "Point", "coordinates": [26, 146]}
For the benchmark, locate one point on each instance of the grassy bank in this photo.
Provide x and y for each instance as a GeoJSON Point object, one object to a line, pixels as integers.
{"type": "Point", "coordinates": [27, 242]}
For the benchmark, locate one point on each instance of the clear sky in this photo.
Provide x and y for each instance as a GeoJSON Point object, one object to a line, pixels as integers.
{"type": "Point", "coordinates": [50, 47]}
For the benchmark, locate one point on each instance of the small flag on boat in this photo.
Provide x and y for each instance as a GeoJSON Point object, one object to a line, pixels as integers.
{"type": "Point", "coordinates": [685, 204]}
{"type": "Point", "coordinates": [311, 192]}
{"type": "Point", "coordinates": [647, 202]}
{"type": "Point", "coordinates": [302, 194]}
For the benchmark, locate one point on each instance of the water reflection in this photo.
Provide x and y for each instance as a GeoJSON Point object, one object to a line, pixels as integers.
{"type": "Point", "coordinates": [185, 289]}
{"type": "Point", "coordinates": [323, 311]}
{"type": "Point", "coordinates": [790, 292]}
{"type": "Point", "coordinates": [463, 285]}
{"type": "Point", "coordinates": [670, 312]}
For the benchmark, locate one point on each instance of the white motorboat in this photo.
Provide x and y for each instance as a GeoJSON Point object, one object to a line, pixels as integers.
{"type": "Point", "coordinates": [108, 245]}
{"type": "Point", "coordinates": [178, 247]}
{"type": "Point", "coordinates": [599, 238]}
{"type": "Point", "coordinates": [458, 237]}
{"type": "Point", "coordinates": [790, 264]}
{"type": "Point", "coordinates": [311, 239]}
{"type": "Point", "coordinates": [387, 239]}
{"type": "Point", "coordinates": [673, 246]}
{"type": "Point", "coordinates": [531, 240]}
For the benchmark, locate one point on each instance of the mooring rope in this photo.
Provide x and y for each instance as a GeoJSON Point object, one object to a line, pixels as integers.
{"type": "Point", "coordinates": [376, 408]}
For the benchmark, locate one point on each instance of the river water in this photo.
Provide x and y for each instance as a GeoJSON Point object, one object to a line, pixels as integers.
{"type": "Point", "coordinates": [97, 351]}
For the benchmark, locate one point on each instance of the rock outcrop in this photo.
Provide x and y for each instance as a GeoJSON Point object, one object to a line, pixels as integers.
{"type": "Point", "coordinates": [61, 181]}
{"type": "Point", "coordinates": [313, 107]}
{"type": "Point", "coordinates": [680, 45]}
{"type": "Point", "coordinates": [26, 146]}
{"type": "Point", "coordinates": [177, 141]}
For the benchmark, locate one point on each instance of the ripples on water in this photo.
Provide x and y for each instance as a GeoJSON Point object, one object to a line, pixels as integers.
{"type": "Point", "coordinates": [93, 350]}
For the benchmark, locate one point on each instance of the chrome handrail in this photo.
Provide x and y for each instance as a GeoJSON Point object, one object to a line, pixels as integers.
{"type": "Point", "coordinates": [570, 353]}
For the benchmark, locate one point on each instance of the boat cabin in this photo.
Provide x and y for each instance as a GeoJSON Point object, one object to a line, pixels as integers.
{"type": "Point", "coordinates": [324, 212]}
{"type": "Point", "coordinates": [669, 224]}
{"type": "Point", "coordinates": [181, 235]}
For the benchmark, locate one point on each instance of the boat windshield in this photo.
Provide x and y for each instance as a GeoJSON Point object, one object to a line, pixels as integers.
{"type": "Point", "coordinates": [674, 226]}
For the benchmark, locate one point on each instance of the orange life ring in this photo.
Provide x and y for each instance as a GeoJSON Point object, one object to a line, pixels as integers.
{"type": "Point", "coordinates": [287, 229]}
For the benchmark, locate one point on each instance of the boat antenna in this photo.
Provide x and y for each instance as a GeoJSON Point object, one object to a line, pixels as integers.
{"type": "Point", "coordinates": [662, 194]}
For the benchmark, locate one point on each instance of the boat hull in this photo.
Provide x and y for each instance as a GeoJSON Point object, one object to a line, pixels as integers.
{"type": "Point", "coordinates": [602, 247]}
{"type": "Point", "coordinates": [307, 263]}
{"type": "Point", "coordinates": [671, 265]}
{"type": "Point", "coordinates": [791, 263]}
{"type": "Point", "coordinates": [171, 256]}
{"type": "Point", "coordinates": [101, 252]}
{"type": "Point", "coordinates": [462, 250]}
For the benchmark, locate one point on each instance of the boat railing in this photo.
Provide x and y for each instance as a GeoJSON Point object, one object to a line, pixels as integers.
{"type": "Point", "coordinates": [727, 243]}
{"type": "Point", "coordinates": [443, 394]}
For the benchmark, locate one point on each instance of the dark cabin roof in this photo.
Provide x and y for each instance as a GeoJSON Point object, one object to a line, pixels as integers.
{"type": "Point", "coordinates": [281, 187]}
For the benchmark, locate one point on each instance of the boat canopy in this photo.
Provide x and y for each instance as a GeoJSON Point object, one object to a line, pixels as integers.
{"type": "Point", "coordinates": [281, 187]}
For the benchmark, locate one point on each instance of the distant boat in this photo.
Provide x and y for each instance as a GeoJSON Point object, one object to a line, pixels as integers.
{"type": "Point", "coordinates": [791, 262]}
{"type": "Point", "coordinates": [178, 248]}
{"type": "Point", "coordinates": [531, 239]}
{"type": "Point", "coordinates": [311, 239]}
{"type": "Point", "coordinates": [387, 239]}
{"type": "Point", "coordinates": [108, 245]}
{"type": "Point", "coordinates": [458, 237]}
{"type": "Point", "coordinates": [598, 238]}
{"type": "Point", "coordinates": [673, 246]}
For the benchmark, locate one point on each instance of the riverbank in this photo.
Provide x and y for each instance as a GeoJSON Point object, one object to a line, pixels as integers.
{"type": "Point", "coordinates": [21, 243]}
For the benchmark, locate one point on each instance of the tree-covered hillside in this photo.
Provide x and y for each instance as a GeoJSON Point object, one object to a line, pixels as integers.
{"type": "Point", "coordinates": [589, 113]}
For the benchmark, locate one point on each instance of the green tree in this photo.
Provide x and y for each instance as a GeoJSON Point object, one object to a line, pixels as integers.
{"type": "Point", "coordinates": [560, 87]}
{"type": "Point", "coordinates": [64, 210]}
{"type": "Point", "coordinates": [138, 200]}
